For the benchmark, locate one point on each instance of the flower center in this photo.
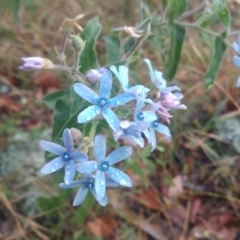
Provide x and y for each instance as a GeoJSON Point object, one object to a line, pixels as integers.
{"type": "Point", "coordinates": [66, 156]}
{"type": "Point", "coordinates": [104, 166]}
{"type": "Point", "coordinates": [89, 183]}
{"type": "Point", "coordinates": [102, 102]}
{"type": "Point", "coordinates": [140, 116]}
{"type": "Point", "coordinates": [155, 124]}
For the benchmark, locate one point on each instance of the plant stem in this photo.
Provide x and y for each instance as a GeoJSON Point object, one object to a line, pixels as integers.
{"type": "Point", "coordinates": [93, 129]}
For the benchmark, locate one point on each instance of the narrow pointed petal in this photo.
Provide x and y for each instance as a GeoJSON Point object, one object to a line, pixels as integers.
{"type": "Point", "coordinates": [88, 114]}
{"type": "Point", "coordinates": [105, 84]}
{"type": "Point", "coordinates": [236, 61]}
{"type": "Point", "coordinates": [164, 130]}
{"type": "Point", "coordinates": [122, 75]}
{"type": "Point", "coordinates": [111, 119]}
{"type": "Point", "coordinates": [87, 167]}
{"type": "Point", "coordinates": [79, 156]}
{"type": "Point", "coordinates": [85, 92]}
{"type": "Point", "coordinates": [103, 201]}
{"type": "Point", "coordinates": [67, 139]}
{"type": "Point", "coordinates": [119, 154]}
{"type": "Point", "coordinates": [72, 184]}
{"type": "Point", "coordinates": [53, 166]}
{"type": "Point", "coordinates": [152, 138]}
{"type": "Point", "coordinates": [119, 177]}
{"type": "Point", "coordinates": [52, 147]}
{"type": "Point", "coordinates": [121, 99]}
{"type": "Point", "coordinates": [100, 185]}
{"type": "Point", "coordinates": [80, 196]}
{"type": "Point", "coordinates": [100, 147]}
{"type": "Point", "coordinates": [69, 172]}
{"type": "Point", "coordinates": [151, 73]}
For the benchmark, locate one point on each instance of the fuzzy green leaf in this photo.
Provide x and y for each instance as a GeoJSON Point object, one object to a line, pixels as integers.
{"type": "Point", "coordinates": [112, 49]}
{"type": "Point", "coordinates": [225, 18]}
{"type": "Point", "coordinates": [88, 58]}
{"type": "Point", "coordinates": [219, 49]}
{"type": "Point", "coordinates": [176, 8]}
{"type": "Point", "coordinates": [177, 35]}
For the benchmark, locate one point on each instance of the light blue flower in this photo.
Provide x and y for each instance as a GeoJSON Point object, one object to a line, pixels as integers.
{"type": "Point", "coordinates": [149, 128]}
{"type": "Point", "coordinates": [67, 157]}
{"type": "Point", "coordinates": [128, 132]}
{"type": "Point", "coordinates": [86, 184]}
{"type": "Point", "coordinates": [236, 45]}
{"type": "Point", "coordinates": [236, 61]}
{"type": "Point", "coordinates": [101, 104]}
{"type": "Point", "coordinates": [139, 91]}
{"type": "Point", "coordinates": [158, 80]}
{"type": "Point", "coordinates": [103, 165]}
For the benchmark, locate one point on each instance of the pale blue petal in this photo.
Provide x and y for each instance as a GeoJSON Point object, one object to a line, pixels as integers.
{"type": "Point", "coordinates": [119, 154]}
{"type": "Point", "coordinates": [236, 61]}
{"type": "Point", "coordinates": [72, 184]}
{"type": "Point", "coordinates": [147, 135]}
{"type": "Point", "coordinates": [79, 156]}
{"type": "Point", "coordinates": [103, 201]}
{"type": "Point", "coordinates": [99, 147]}
{"type": "Point", "coordinates": [69, 172]}
{"type": "Point", "coordinates": [52, 147]}
{"type": "Point", "coordinates": [236, 47]}
{"type": "Point", "coordinates": [67, 139]}
{"type": "Point", "coordinates": [87, 167]}
{"type": "Point", "coordinates": [122, 75]}
{"type": "Point", "coordinates": [238, 40]}
{"type": "Point", "coordinates": [164, 130]}
{"type": "Point", "coordinates": [152, 138]}
{"type": "Point", "coordinates": [88, 114]}
{"type": "Point", "coordinates": [119, 177]}
{"type": "Point", "coordinates": [85, 92]}
{"type": "Point", "coordinates": [80, 196]}
{"type": "Point", "coordinates": [105, 84]}
{"type": "Point", "coordinates": [158, 80]}
{"type": "Point", "coordinates": [100, 185]}
{"type": "Point", "coordinates": [111, 183]}
{"type": "Point", "coordinates": [151, 73]}
{"type": "Point", "coordinates": [238, 82]}
{"type": "Point", "coordinates": [53, 166]}
{"type": "Point", "coordinates": [111, 119]}
{"type": "Point", "coordinates": [149, 116]}
{"type": "Point", "coordinates": [121, 99]}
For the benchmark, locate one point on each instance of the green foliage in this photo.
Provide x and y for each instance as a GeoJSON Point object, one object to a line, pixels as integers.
{"type": "Point", "coordinates": [14, 7]}
{"type": "Point", "coordinates": [176, 9]}
{"type": "Point", "coordinates": [177, 35]}
{"type": "Point", "coordinates": [218, 51]}
{"type": "Point", "coordinates": [51, 99]}
{"type": "Point", "coordinates": [88, 58]}
{"type": "Point", "coordinates": [112, 49]}
{"type": "Point", "coordinates": [225, 17]}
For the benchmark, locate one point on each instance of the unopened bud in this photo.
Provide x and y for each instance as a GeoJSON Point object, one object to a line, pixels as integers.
{"type": "Point", "coordinates": [36, 63]}
{"type": "Point", "coordinates": [76, 135]}
{"type": "Point", "coordinates": [77, 43]}
{"type": "Point", "coordinates": [94, 75]}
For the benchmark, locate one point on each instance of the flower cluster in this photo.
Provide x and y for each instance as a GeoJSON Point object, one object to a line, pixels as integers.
{"type": "Point", "coordinates": [147, 114]}
{"type": "Point", "coordinates": [236, 59]}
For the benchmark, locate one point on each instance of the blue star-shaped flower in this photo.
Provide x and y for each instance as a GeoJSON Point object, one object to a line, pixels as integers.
{"type": "Point", "coordinates": [101, 104]}
{"type": "Point", "coordinates": [103, 165]}
{"type": "Point", "coordinates": [139, 91]}
{"type": "Point", "coordinates": [87, 184]}
{"type": "Point", "coordinates": [158, 80]}
{"type": "Point", "coordinates": [67, 157]}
